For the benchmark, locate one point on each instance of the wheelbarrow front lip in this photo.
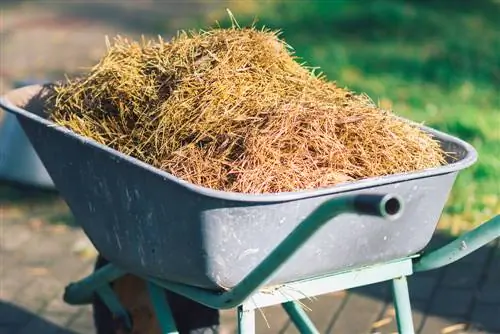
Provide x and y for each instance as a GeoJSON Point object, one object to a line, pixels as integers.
{"type": "Point", "coordinates": [468, 160]}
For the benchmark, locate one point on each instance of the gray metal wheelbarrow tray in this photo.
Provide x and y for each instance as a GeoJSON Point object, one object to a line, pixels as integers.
{"type": "Point", "coordinates": [151, 223]}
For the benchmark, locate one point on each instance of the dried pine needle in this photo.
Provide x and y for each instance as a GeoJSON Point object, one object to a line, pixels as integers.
{"type": "Point", "coordinates": [233, 110]}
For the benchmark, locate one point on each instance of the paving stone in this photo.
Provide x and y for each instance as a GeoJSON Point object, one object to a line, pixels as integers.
{"type": "Point", "coordinates": [493, 275]}
{"type": "Point", "coordinates": [478, 331]}
{"type": "Point", "coordinates": [40, 292]}
{"type": "Point", "coordinates": [322, 311]}
{"type": "Point", "coordinates": [422, 287]}
{"type": "Point", "coordinates": [13, 281]}
{"type": "Point", "coordinates": [462, 275]}
{"type": "Point", "coordinates": [271, 319]}
{"type": "Point", "coordinates": [228, 321]}
{"type": "Point", "coordinates": [451, 302]}
{"type": "Point", "coordinates": [15, 237]}
{"type": "Point", "coordinates": [69, 268]}
{"type": "Point", "coordinates": [60, 313]}
{"type": "Point", "coordinates": [47, 248]}
{"type": "Point", "coordinates": [83, 323]}
{"type": "Point", "coordinates": [357, 315]}
{"type": "Point", "coordinates": [489, 293]}
{"type": "Point", "coordinates": [436, 325]}
{"type": "Point", "coordinates": [487, 317]}
{"type": "Point", "coordinates": [10, 260]}
{"type": "Point", "coordinates": [436, 273]}
{"type": "Point", "coordinates": [391, 327]}
{"type": "Point", "coordinates": [380, 291]}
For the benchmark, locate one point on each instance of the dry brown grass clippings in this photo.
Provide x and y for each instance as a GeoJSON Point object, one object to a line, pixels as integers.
{"type": "Point", "coordinates": [232, 109]}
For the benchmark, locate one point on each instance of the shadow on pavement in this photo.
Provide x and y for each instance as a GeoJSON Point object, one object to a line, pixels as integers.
{"type": "Point", "coordinates": [466, 291]}
{"type": "Point", "coordinates": [15, 319]}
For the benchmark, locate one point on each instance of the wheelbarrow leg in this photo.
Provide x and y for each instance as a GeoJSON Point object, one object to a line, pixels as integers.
{"type": "Point", "coordinates": [109, 298]}
{"type": "Point", "coordinates": [402, 305]}
{"type": "Point", "coordinates": [162, 309]}
{"type": "Point", "coordinates": [246, 320]}
{"type": "Point", "coordinates": [299, 318]}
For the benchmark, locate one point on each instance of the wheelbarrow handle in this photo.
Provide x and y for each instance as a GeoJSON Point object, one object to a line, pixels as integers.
{"type": "Point", "coordinates": [386, 206]}
{"type": "Point", "coordinates": [460, 247]}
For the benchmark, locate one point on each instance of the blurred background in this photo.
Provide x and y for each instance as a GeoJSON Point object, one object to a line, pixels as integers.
{"type": "Point", "coordinates": [433, 61]}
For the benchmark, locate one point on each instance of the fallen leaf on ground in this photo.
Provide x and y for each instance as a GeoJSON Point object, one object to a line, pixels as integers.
{"type": "Point", "coordinates": [84, 249]}
{"type": "Point", "coordinates": [58, 229]}
{"type": "Point", "coordinates": [381, 323]}
{"type": "Point", "coordinates": [390, 312]}
{"type": "Point", "coordinates": [38, 271]}
{"type": "Point", "coordinates": [453, 328]}
{"type": "Point", "coordinates": [35, 223]}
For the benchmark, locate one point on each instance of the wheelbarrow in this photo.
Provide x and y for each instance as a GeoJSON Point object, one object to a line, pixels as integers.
{"type": "Point", "coordinates": [245, 251]}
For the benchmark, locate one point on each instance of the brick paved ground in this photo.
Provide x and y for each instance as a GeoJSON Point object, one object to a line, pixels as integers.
{"type": "Point", "coordinates": [40, 250]}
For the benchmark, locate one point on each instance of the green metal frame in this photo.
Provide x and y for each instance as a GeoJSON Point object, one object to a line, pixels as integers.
{"type": "Point", "coordinates": [402, 305]}
{"type": "Point", "coordinates": [248, 295]}
{"type": "Point", "coordinates": [460, 247]}
{"type": "Point", "coordinates": [375, 205]}
{"type": "Point", "coordinates": [299, 318]}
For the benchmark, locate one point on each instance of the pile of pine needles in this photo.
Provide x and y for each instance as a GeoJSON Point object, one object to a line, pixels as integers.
{"type": "Point", "coordinates": [233, 110]}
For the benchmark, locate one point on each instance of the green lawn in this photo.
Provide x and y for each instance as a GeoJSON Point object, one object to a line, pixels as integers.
{"type": "Point", "coordinates": [436, 62]}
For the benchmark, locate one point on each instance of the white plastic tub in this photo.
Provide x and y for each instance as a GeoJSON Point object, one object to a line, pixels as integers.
{"type": "Point", "coordinates": [18, 160]}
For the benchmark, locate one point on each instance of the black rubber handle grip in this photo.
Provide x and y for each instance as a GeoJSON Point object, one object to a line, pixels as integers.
{"type": "Point", "coordinates": [387, 206]}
